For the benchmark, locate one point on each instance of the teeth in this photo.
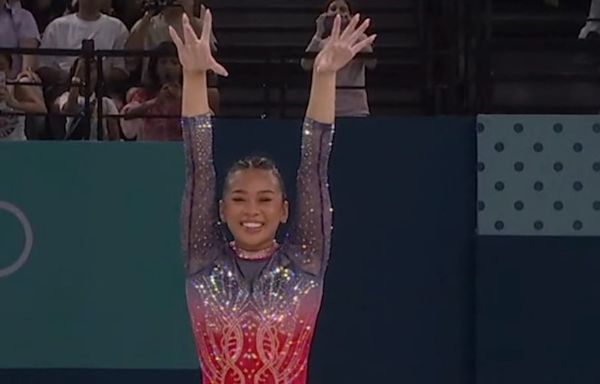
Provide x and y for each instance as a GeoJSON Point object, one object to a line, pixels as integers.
{"type": "Point", "coordinates": [252, 225]}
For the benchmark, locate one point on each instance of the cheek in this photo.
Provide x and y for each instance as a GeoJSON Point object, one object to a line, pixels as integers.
{"type": "Point", "coordinates": [274, 212]}
{"type": "Point", "coordinates": [231, 212]}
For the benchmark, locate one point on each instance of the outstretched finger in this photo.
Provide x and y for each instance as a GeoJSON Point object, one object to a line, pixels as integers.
{"type": "Point", "coordinates": [202, 12]}
{"type": "Point", "coordinates": [337, 26]}
{"type": "Point", "coordinates": [176, 39]}
{"type": "Point", "coordinates": [188, 31]}
{"type": "Point", "coordinates": [351, 27]}
{"type": "Point", "coordinates": [219, 69]}
{"type": "Point", "coordinates": [358, 47]}
{"type": "Point", "coordinates": [359, 32]}
{"type": "Point", "coordinates": [206, 26]}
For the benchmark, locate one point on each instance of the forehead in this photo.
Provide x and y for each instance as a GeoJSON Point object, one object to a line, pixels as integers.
{"type": "Point", "coordinates": [253, 180]}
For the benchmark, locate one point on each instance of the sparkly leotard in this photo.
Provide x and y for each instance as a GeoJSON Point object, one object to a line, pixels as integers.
{"type": "Point", "coordinates": [251, 331]}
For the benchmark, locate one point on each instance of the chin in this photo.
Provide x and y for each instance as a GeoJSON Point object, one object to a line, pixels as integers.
{"type": "Point", "coordinates": [253, 242]}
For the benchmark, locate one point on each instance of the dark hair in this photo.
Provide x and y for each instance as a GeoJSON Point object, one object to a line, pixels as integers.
{"type": "Point", "coordinates": [55, 7]}
{"type": "Point", "coordinates": [348, 3]}
{"type": "Point", "coordinates": [74, 66]}
{"type": "Point", "coordinates": [255, 162]}
{"type": "Point", "coordinates": [166, 48]}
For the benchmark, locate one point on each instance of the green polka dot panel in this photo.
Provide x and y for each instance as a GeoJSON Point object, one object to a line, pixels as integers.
{"type": "Point", "coordinates": [538, 175]}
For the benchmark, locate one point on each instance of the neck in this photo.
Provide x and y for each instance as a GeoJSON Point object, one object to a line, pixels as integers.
{"type": "Point", "coordinates": [88, 15]}
{"type": "Point", "coordinates": [258, 254]}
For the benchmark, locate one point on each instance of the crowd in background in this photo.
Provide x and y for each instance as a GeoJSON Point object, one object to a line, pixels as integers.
{"type": "Point", "coordinates": [65, 82]}
{"type": "Point", "coordinates": [43, 97]}
{"type": "Point", "coordinates": [131, 86]}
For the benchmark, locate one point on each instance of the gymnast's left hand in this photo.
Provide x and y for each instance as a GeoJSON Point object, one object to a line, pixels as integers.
{"type": "Point", "coordinates": [341, 47]}
{"type": "Point", "coordinates": [194, 53]}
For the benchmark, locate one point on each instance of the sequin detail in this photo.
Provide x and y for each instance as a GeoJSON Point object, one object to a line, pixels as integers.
{"type": "Point", "coordinates": [255, 331]}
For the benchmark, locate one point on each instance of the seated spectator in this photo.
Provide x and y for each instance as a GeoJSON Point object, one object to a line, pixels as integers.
{"type": "Point", "coordinates": [73, 102]}
{"type": "Point", "coordinates": [17, 98]}
{"type": "Point", "coordinates": [45, 11]}
{"type": "Point", "coordinates": [160, 96]}
{"type": "Point", "coordinates": [349, 102]}
{"type": "Point", "coordinates": [18, 29]}
{"type": "Point", "coordinates": [591, 29]}
{"type": "Point", "coordinates": [68, 32]}
{"type": "Point", "coordinates": [153, 29]}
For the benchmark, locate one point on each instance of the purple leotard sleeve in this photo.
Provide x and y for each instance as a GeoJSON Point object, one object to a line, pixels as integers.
{"type": "Point", "coordinates": [310, 234]}
{"type": "Point", "coordinates": [200, 232]}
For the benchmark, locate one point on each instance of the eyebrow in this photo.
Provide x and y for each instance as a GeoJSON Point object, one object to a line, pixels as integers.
{"type": "Point", "coordinates": [242, 191]}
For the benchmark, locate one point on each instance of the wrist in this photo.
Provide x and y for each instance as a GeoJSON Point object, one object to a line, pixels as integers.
{"type": "Point", "coordinates": [194, 75]}
{"type": "Point", "coordinates": [324, 75]}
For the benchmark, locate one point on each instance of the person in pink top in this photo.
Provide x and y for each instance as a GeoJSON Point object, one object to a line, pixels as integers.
{"type": "Point", "coordinates": [254, 302]}
{"type": "Point", "coordinates": [161, 96]}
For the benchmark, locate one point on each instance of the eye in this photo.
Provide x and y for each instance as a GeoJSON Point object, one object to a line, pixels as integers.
{"type": "Point", "coordinates": [237, 199]}
{"type": "Point", "coordinates": [265, 199]}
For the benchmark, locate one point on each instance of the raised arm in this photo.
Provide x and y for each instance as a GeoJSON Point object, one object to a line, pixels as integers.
{"type": "Point", "coordinates": [310, 235]}
{"type": "Point", "coordinates": [200, 232]}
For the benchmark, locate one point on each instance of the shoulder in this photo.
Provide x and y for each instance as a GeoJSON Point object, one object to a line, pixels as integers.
{"type": "Point", "coordinates": [107, 102]}
{"type": "Point", "coordinates": [113, 22]}
{"type": "Point", "coordinates": [23, 14]}
{"type": "Point", "coordinates": [61, 22]}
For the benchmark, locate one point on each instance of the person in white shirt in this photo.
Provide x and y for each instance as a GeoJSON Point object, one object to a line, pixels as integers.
{"type": "Point", "coordinates": [73, 102]}
{"type": "Point", "coordinates": [350, 102]}
{"type": "Point", "coordinates": [17, 98]}
{"type": "Point", "coordinates": [18, 29]}
{"type": "Point", "coordinates": [69, 31]}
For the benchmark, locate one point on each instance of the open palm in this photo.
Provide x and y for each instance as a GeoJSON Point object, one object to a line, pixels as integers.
{"type": "Point", "coordinates": [194, 53]}
{"type": "Point", "coordinates": [341, 47]}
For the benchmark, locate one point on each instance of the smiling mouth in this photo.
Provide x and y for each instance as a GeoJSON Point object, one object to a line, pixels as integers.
{"type": "Point", "coordinates": [252, 225]}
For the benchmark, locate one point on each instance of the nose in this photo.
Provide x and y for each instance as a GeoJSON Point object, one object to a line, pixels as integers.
{"type": "Point", "coordinates": [251, 209]}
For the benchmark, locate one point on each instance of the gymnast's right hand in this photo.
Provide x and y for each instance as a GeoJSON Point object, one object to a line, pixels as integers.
{"type": "Point", "coordinates": [194, 53]}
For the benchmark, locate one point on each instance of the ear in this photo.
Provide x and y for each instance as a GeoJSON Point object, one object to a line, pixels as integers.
{"type": "Point", "coordinates": [286, 212]}
{"type": "Point", "coordinates": [221, 211]}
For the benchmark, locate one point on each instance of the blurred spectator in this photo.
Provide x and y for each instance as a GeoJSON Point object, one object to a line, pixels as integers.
{"type": "Point", "coordinates": [106, 7]}
{"type": "Point", "coordinates": [349, 102]}
{"type": "Point", "coordinates": [153, 29]}
{"type": "Point", "coordinates": [18, 29]}
{"type": "Point", "coordinates": [67, 32]}
{"type": "Point", "coordinates": [17, 98]}
{"type": "Point", "coordinates": [44, 11]}
{"type": "Point", "coordinates": [160, 96]}
{"type": "Point", "coordinates": [591, 29]}
{"type": "Point", "coordinates": [129, 12]}
{"type": "Point", "coordinates": [73, 102]}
